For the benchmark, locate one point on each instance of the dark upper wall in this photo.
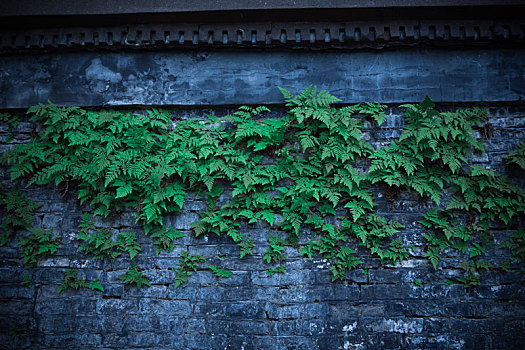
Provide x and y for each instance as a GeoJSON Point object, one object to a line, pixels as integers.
{"type": "Point", "coordinates": [98, 7]}
{"type": "Point", "coordinates": [225, 77]}
{"type": "Point", "coordinates": [34, 14]}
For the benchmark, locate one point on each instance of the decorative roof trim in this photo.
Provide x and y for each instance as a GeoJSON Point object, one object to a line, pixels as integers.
{"type": "Point", "coordinates": [329, 35]}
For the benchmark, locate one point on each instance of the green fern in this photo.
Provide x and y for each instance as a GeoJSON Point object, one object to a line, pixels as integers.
{"type": "Point", "coordinates": [96, 285]}
{"type": "Point", "coordinates": [100, 244]}
{"type": "Point", "coordinates": [187, 264]}
{"type": "Point", "coordinates": [516, 245]}
{"type": "Point", "coordinates": [18, 213]}
{"type": "Point", "coordinates": [472, 279]}
{"type": "Point", "coordinates": [71, 281]}
{"type": "Point", "coordinates": [274, 254]}
{"type": "Point", "coordinates": [345, 259]}
{"type": "Point", "coordinates": [38, 245]}
{"type": "Point", "coordinates": [301, 171]}
{"type": "Point", "coordinates": [278, 269]}
{"type": "Point", "coordinates": [26, 281]}
{"type": "Point", "coordinates": [12, 121]}
{"type": "Point", "coordinates": [220, 272]}
{"type": "Point", "coordinates": [133, 276]}
{"type": "Point", "coordinates": [518, 156]}
{"type": "Point", "coordinates": [127, 242]}
{"type": "Point", "coordinates": [165, 238]}
{"type": "Point", "coordinates": [246, 248]}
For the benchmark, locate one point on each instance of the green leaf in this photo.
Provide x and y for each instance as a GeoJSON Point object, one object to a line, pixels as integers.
{"type": "Point", "coordinates": [279, 269]}
{"type": "Point", "coordinates": [26, 282]}
{"type": "Point", "coordinates": [124, 190]}
{"type": "Point", "coordinates": [246, 247]}
{"type": "Point", "coordinates": [220, 272]}
{"type": "Point", "coordinates": [96, 285]}
{"type": "Point", "coordinates": [134, 276]}
{"type": "Point", "coordinates": [71, 280]}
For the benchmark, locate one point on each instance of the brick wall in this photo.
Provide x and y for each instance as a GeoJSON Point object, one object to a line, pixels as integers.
{"type": "Point", "coordinates": [380, 307]}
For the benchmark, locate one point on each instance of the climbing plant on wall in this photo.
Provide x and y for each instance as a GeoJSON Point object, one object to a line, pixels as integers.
{"type": "Point", "coordinates": [310, 169]}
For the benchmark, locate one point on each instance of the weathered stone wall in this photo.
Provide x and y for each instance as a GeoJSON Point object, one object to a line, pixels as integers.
{"type": "Point", "coordinates": [199, 78]}
{"type": "Point", "coordinates": [380, 307]}
{"type": "Point", "coordinates": [377, 308]}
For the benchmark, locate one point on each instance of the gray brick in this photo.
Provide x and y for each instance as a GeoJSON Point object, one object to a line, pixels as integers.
{"type": "Point", "coordinates": [391, 325]}
{"type": "Point", "coordinates": [164, 307]}
{"type": "Point", "coordinates": [390, 291]}
{"type": "Point", "coordinates": [116, 306]}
